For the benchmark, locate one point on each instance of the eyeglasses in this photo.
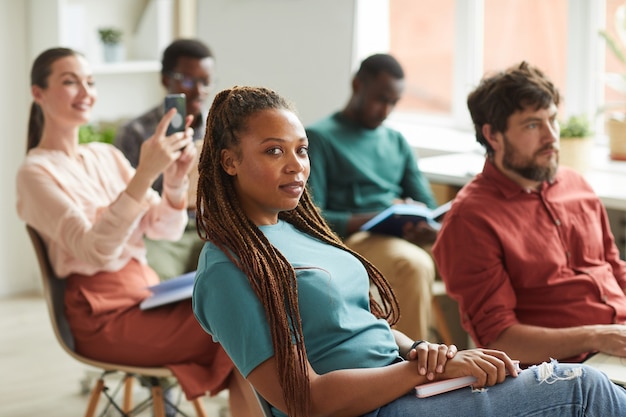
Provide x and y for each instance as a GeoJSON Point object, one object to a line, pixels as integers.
{"type": "Point", "coordinates": [188, 82]}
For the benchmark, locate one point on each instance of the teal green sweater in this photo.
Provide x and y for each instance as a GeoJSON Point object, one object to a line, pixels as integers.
{"type": "Point", "coordinates": [358, 170]}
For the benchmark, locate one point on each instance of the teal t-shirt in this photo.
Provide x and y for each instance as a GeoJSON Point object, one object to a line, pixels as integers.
{"type": "Point", "coordinates": [333, 293]}
{"type": "Point", "coordinates": [358, 170]}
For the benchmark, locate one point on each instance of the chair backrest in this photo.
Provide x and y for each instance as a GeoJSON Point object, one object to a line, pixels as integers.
{"type": "Point", "coordinates": [53, 291]}
{"type": "Point", "coordinates": [54, 294]}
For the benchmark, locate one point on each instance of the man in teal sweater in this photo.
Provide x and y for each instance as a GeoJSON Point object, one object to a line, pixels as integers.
{"type": "Point", "coordinates": [359, 168]}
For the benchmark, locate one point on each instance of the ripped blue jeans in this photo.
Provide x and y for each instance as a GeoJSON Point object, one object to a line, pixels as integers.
{"type": "Point", "coordinates": [550, 389]}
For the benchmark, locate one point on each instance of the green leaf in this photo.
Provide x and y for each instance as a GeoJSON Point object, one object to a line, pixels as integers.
{"type": "Point", "coordinates": [613, 46]}
{"type": "Point", "coordinates": [110, 35]}
{"type": "Point", "coordinates": [576, 127]}
{"type": "Point", "coordinates": [90, 133]}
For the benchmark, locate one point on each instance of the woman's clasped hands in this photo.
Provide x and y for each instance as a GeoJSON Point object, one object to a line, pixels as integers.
{"type": "Point", "coordinates": [440, 362]}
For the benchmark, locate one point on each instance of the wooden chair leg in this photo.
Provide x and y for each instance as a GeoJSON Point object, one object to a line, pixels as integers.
{"type": "Point", "coordinates": [158, 405]}
{"type": "Point", "coordinates": [94, 398]}
{"type": "Point", "coordinates": [199, 407]}
{"type": "Point", "coordinates": [127, 404]}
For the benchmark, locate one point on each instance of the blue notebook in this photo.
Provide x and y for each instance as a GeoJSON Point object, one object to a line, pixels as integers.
{"type": "Point", "coordinates": [170, 291]}
{"type": "Point", "coordinates": [391, 220]}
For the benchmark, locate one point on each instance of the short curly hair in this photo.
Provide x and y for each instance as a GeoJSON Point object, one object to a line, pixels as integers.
{"type": "Point", "coordinates": [193, 48]}
{"type": "Point", "coordinates": [499, 96]}
{"type": "Point", "coordinates": [377, 63]}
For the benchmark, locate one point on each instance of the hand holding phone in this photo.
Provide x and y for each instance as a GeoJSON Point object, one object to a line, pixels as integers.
{"type": "Point", "coordinates": [179, 102]}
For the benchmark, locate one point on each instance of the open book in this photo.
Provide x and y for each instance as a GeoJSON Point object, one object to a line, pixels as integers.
{"type": "Point", "coordinates": [170, 291]}
{"type": "Point", "coordinates": [439, 387]}
{"type": "Point", "coordinates": [613, 366]}
{"type": "Point", "coordinates": [391, 220]}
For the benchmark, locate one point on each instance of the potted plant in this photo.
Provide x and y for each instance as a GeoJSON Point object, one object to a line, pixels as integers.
{"type": "Point", "coordinates": [576, 143]}
{"type": "Point", "coordinates": [101, 132]}
{"type": "Point", "coordinates": [111, 39]}
{"type": "Point", "coordinates": [616, 112]}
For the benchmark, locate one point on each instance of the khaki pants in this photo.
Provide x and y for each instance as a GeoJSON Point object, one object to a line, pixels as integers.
{"type": "Point", "coordinates": [411, 272]}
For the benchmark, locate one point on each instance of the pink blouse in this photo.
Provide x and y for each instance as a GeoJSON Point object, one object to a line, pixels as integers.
{"type": "Point", "coordinates": [83, 213]}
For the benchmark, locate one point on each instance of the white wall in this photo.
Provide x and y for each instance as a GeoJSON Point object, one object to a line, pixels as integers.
{"type": "Point", "coordinates": [300, 48]}
{"type": "Point", "coordinates": [123, 91]}
{"type": "Point", "coordinates": [18, 269]}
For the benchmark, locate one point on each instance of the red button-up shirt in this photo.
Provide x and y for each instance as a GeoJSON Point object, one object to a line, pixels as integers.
{"type": "Point", "coordinates": [545, 258]}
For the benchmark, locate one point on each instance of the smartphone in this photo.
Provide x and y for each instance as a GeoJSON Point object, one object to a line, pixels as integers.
{"type": "Point", "coordinates": [179, 102]}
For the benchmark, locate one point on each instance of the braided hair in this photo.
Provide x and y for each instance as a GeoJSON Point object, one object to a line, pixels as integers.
{"type": "Point", "coordinates": [222, 221]}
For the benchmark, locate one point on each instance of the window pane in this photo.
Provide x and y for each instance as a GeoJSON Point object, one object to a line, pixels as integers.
{"type": "Point", "coordinates": [614, 98]}
{"type": "Point", "coordinates": [530, 30]}
{"type": "Point", "coordinates": [422, 39]}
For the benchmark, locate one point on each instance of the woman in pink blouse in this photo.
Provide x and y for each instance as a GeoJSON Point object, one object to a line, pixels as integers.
{"type": "Point", "coordinates": [92, 209]}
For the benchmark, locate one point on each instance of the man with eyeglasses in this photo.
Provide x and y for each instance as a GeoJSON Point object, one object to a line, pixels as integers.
{"type": "Point", "coordinates": [187, 67]}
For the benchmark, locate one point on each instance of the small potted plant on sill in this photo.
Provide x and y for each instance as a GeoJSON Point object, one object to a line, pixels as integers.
{"type": "Point", "coordinates": [616, 112]}
{"type": "Point", "coordinates": [111, 39]}
{"type": "Point", "coordinates": [576, 143]}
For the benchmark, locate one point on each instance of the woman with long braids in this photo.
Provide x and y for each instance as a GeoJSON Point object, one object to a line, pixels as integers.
{"type": "Point", "coordinates": [92, 209]}
{"type": "Point", "coordinates": [291, 306]}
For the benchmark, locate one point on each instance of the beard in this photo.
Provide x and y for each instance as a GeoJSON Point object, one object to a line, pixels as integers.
{"type": "Point", "coordinates": [526, 167]}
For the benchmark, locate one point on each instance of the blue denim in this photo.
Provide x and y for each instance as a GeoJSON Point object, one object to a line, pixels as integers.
{"type": "Point", "coordinates": [551, 389]}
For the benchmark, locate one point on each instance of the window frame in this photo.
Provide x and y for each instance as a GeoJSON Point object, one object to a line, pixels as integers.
{"type": "Point", "coordinates": [585, 57]}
